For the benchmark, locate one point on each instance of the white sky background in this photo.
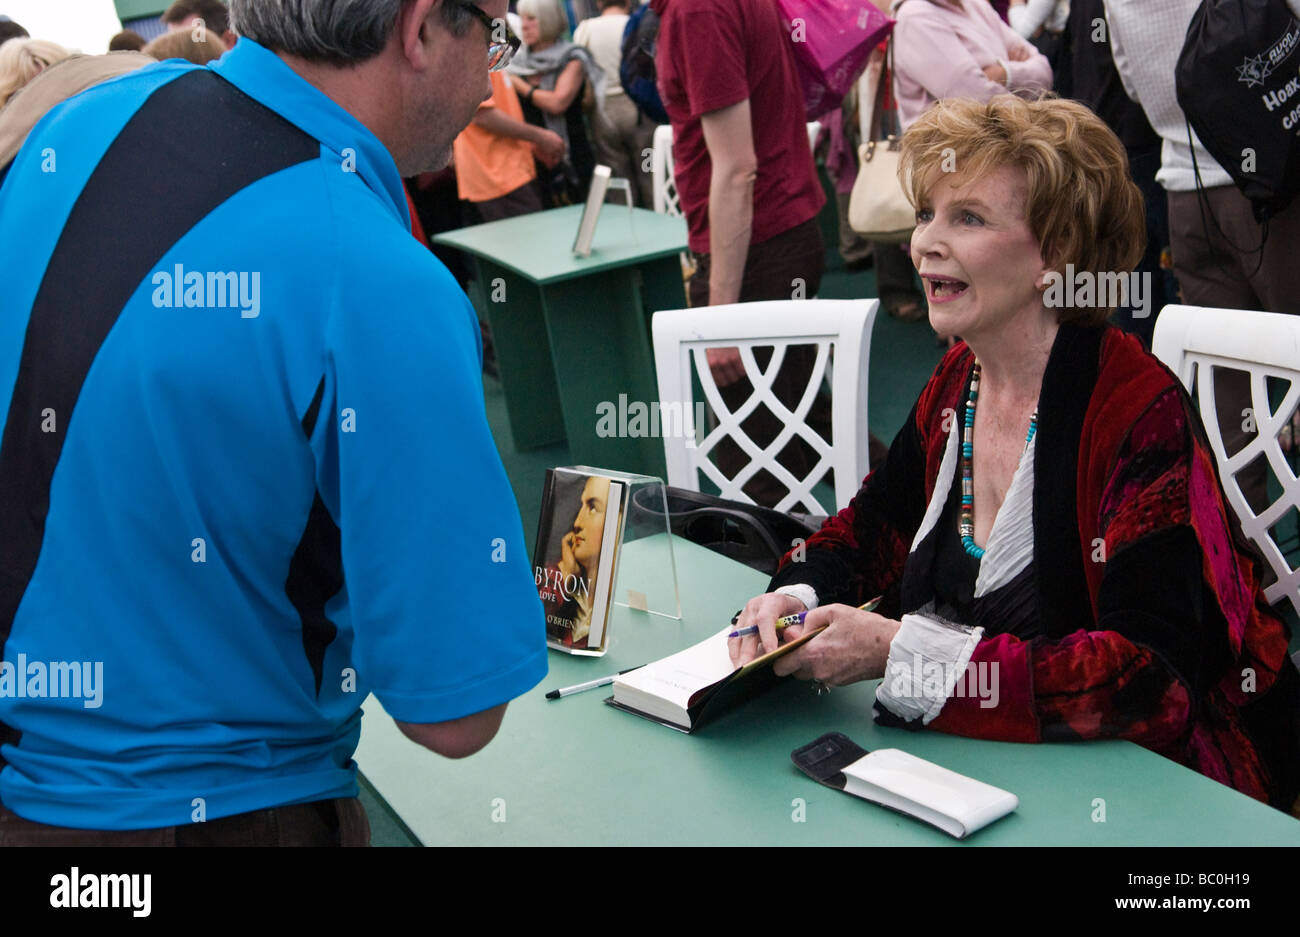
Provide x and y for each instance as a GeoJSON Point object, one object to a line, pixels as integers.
{"type": "Point", "coordinates": [80, 25]}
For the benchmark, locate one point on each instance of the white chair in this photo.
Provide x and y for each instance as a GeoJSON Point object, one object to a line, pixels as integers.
{"type": "Point", "coordinates": [661, 172]}
{"type": "Point", "coordinates": [1193, 342]}
{"type": "Point", "coordinates": [682, 336]}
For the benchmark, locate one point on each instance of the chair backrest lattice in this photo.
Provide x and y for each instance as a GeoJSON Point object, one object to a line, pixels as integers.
{"type": "Point", "coordinates": [838, 328]}
{"type": "Point", "coordinates": [1202, 345]}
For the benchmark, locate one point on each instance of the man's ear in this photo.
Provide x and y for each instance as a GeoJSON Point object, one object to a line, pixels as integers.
{"type": "Point", "coordinates": [415, 31]}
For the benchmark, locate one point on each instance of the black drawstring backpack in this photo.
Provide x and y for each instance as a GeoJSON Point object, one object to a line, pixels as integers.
{"type": "Point", "coordinates": [1238, 82]}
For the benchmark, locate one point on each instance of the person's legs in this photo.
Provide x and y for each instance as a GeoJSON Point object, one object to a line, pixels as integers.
{"type": "Point", "coordinates": [895, 284]}
{"type": "Point", "coordinates": [641, 136]}
{"type": "Point", "coordinates": [1143, 165]}
{"type": "Point", "coordinates": [1274, 278]}
{"type": "Point", "coordinates": [855, 250]}
{"type": "Point", "coordinates": [15, 831]}
{"type": "Point", "coordinates": [1209, 272]}
{"type": "Point", "coordinates": [607, 131]}
{"type": "Point", "coordinates": [341, 822]}
{"type": "Point", "coordinates": [522, 201]}
{"type": "Point", "coordinates": [782, 267]}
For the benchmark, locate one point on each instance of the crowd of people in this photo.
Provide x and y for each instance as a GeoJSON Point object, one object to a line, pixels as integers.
{"type": "Point", "coordinates": [1032, 142]}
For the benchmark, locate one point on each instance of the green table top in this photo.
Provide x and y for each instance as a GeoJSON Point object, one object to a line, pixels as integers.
{"type": "Point", "coordinates": [578, 771]}
{"type": "Point", "coordinates": [539, 246]}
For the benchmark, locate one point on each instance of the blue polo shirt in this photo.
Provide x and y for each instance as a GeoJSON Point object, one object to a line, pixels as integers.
{"type": "Point", "coordinates": [246, 475]}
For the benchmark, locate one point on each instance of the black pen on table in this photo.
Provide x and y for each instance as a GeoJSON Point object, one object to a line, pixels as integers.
{"type": "Point", "coordinates": [589, 685]}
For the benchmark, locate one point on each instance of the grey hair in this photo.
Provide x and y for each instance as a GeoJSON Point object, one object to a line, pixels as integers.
{"type": "Point", "coordinates": [551, 21]}
{"type": "Point", "coordinates": [342, 32]}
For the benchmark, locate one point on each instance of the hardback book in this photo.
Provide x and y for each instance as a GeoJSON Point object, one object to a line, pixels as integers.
{"type": "Point", "coordinates": [957, 804]}
{"type": "Point", "coordinates": [578, 537]}
{"type": "Point", "coordinates": [684, 690]}
{"type": "Point", "coordinates": [591, 211]}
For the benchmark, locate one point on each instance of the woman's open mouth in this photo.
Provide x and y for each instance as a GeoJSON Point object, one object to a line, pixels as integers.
{"type": "Point", "coordinates": [944, 289]}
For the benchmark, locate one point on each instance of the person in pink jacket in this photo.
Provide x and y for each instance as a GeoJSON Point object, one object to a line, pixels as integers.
{"type": "Point", "coordinates": [959, 49]}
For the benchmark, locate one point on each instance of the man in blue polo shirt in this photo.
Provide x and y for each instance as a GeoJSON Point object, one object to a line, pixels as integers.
{"type": "Point", "coordinates": [245, 474]}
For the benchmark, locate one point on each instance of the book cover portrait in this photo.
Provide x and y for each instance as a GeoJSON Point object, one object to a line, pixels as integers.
{"type": "Point", "coordinates": [568, 564]}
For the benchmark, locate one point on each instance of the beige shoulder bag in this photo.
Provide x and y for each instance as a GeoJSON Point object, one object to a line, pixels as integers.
{"type": "Point", "coordinates": [878, 209]}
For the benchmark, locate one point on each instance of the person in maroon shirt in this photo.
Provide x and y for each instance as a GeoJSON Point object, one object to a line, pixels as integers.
{"type": "Point", "coordinates": [748, 186]}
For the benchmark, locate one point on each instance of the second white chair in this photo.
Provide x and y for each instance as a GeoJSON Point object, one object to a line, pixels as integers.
{"type": "Point", "coordinates": [1195, 343]}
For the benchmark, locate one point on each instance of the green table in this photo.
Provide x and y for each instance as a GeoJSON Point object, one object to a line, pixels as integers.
{"type": "Point", "coordinates": [578, 771]}
{"type": "Point", "coordinates": [573, 332]}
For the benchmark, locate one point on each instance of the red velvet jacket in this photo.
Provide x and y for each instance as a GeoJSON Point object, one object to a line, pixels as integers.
{"type": "Point", "coordinates": [1164, 639]}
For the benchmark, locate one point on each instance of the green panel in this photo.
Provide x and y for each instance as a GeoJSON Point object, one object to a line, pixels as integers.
{"type": "Point", "coordinates": [578, 771]}
{"type": "Point", "coordinates": [134, 9]}
{"type": "Point", "coordinates": [662, 287]}
{"type": "Point", "coordinates": [602, 357]}
{"type": "Point", "coordinates": [512, 307]}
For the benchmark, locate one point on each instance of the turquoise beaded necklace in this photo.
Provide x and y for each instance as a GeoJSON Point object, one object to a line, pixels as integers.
{"type": "Point", "coordinates": [966, 524]}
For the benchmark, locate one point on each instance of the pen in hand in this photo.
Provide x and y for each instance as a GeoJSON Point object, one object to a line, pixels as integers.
{"type": "Point", "coordinates": [796, 619]}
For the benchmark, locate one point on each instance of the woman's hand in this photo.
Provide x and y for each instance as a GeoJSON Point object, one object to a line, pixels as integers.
{"type": "Point", "coordinates": [854, 646]}
{"type": "Point", "coordinates": [996, 73]}
{"type": "Point", "coordinates": [762, 610]}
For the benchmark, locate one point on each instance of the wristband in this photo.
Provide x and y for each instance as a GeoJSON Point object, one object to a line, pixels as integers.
{"type": "Point", "coordinates": [1006, 71]}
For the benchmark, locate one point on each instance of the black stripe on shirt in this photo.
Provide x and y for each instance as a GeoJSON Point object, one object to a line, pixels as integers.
{"type": "Point", "coordinates": [194, 143]}
{"type": "Point", "coordinates": [316, 575]}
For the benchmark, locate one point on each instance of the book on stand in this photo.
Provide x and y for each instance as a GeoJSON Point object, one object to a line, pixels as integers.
{"type": "Point", "coordinates": [591, 211]}
{"type": "Point", "coordinates": [578, 536]}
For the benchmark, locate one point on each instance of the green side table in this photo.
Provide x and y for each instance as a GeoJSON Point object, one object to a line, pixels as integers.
{"type": "Point", "coordinates": [572, 333]}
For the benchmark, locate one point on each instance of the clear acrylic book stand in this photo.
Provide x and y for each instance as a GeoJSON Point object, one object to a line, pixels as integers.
{"type": "Point", "coordinates": [645, 573]}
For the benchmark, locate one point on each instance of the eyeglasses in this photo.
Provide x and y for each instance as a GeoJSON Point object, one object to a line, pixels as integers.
{"type": "Point", "coordinates": [499, 52]}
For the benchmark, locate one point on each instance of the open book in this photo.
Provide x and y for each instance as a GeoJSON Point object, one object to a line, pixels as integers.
{"type": "Point", "coordinates": [680, 690]}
